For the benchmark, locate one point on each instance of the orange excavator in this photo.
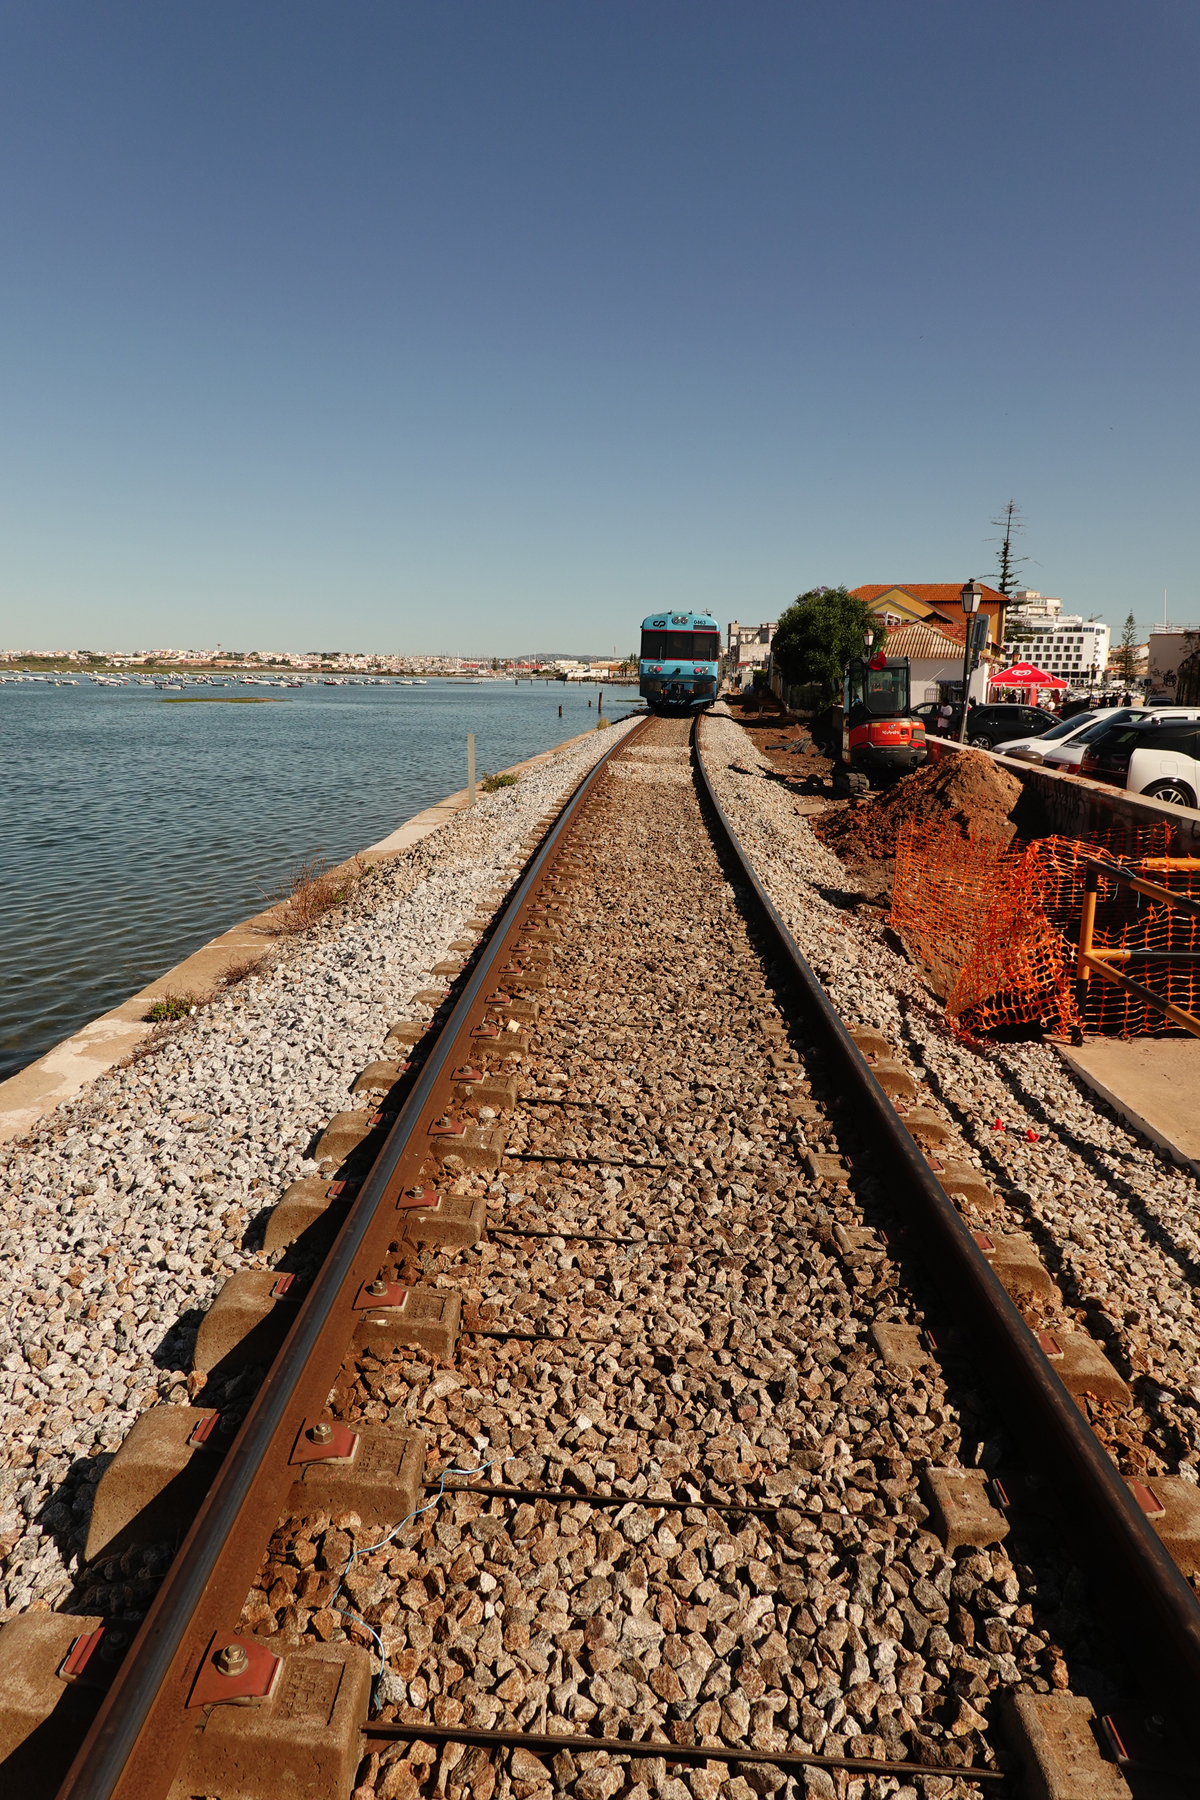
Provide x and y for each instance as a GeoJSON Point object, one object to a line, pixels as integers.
{"type": "Point", "coordinates": [879, 733]}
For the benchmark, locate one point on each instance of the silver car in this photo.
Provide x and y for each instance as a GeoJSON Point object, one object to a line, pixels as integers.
{"type": "Point", "coordinates": [1063, 744]}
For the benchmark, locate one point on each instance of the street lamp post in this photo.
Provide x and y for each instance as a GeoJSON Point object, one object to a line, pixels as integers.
{"type": "Point", "coordinates": [970, 595]}
{"type": "Point", "coordinates": [868, 640]}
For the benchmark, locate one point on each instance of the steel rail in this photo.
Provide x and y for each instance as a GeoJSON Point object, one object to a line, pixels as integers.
{"type": "Point", "coordinates": [693, 1755]}
{"type": "Point", "coordinates": [1040, 1409]}
{"type": "Point", "coordinates": [139, 1734]}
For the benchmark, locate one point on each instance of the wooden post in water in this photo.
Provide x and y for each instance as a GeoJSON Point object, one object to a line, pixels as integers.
{"type": "Point", "coordinates": [470, 768]}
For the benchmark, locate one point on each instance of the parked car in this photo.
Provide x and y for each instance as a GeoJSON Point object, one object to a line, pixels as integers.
{"type": "Point", "coordinates": [986, 725]}
{"type": "Point", "coordinates": [1158, 756]}
{"type": "Point", "coordinates": [1069, 754]}
{"type": "Point", "coordinates": [1062, 746]}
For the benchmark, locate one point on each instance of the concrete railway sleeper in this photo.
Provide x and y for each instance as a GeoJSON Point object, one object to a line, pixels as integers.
{"type": "Point", "coordinates": [611, 1440]}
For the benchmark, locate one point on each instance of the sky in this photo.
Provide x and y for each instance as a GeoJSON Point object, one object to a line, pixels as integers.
{"type": "Point", "coordinates": [485, 328]}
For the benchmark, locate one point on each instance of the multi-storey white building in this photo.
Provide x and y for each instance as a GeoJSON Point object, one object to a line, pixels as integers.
{"type": "Point", "coordinates": [749, 646]}
{"type": "Point", "coordinates": [1029, 600]}
{"type": "Point", "coordinates": [1037, 630]}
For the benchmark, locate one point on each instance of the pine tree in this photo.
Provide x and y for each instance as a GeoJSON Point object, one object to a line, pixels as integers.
{"type": "Point", "coordinates": [1009, 521]}
{"type": "Point", "coordinates": [1127, 651]}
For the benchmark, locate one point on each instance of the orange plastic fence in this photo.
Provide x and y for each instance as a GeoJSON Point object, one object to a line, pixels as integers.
{"type": "Point", "coordinates": [997, 929]}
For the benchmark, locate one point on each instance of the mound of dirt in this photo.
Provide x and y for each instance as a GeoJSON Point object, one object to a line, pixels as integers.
{"type": "Point", "coordinates": [965, 789]}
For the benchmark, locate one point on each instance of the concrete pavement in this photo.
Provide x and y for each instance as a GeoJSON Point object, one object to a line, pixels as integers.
{"type": "Point", "coordinates": [1151, 1083]}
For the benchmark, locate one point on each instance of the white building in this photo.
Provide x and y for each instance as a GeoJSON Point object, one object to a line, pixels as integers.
{"type": "Point", "coordinates": [1168, 646]}
{"type": "Point", "coordinates": [1037, 630]}
{"type": "Point", "coordinates": [1029, 600]}
{"type": "Point", "coordinates": [748, 647]}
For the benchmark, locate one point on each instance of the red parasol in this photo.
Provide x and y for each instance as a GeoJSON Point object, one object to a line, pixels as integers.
{"type": "Point", "coordinates": [1024, 675]}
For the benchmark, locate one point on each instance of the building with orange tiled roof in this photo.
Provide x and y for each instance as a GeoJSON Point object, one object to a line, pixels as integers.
{"type": "Point", "coordinates": [935, 657]}
{"type": "Point", "coordinates": [918, 602]}
{"type": "Point", "coordinates": [926, 642]}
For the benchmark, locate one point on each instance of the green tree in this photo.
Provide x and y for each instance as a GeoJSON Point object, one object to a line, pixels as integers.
{"type": "Point", "coordinates": [816, 638]}
{"type": "Point", "coordinates": [1127, 650]}
{"type": "Point", "coordinates": [1010, 522]}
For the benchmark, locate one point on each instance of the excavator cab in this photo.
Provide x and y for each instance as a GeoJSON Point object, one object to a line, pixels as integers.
{"type": "Point", "coordinates": [879, 731]}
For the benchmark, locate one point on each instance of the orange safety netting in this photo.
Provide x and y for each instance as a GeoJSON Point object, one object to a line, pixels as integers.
{"type": "Point", "coordinates": [997, 929]}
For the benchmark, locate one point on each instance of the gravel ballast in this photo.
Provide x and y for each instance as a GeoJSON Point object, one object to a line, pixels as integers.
{"type": "Point", "coordinates": [671, 1327]}
{"type": "Point", "coordinates": [742, 1555]}
{"type": "Point", "coordinates": [125, 1210]}
{"type": "Point", "coordinates": [1117, 1225]}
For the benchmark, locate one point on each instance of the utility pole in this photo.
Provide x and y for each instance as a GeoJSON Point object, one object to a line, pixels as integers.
{"type": "Point", "coordinates": [969, 596]}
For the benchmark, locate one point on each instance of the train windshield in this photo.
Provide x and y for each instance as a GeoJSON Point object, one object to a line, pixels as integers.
{"type": "Point", "coordinates": [683, 646]}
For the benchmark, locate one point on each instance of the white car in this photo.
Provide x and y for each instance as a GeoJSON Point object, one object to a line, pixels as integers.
{"type": "Point", "coordinates": [1062, 745]}
{"type": "Point", "coordinates": [1158, 756]}
{"type": "Point", "coordinates": [1070, 754]}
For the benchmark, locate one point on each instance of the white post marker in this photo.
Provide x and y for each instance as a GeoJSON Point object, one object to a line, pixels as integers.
{"type": "Point", "coordinates": [470, 768]}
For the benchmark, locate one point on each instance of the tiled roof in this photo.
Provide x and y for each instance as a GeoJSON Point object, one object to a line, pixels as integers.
{"type": "Point", "coordinates": [941, 594]}
{"type": "Point", "coordinates": [924, 643]}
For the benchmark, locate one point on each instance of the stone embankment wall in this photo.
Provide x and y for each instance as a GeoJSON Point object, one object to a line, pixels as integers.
{"type": "Point", "coordinates": [1075, 807]}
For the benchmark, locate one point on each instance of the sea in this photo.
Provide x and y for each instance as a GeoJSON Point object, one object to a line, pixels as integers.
{"type": "Point", "coordinates": [134, 827]}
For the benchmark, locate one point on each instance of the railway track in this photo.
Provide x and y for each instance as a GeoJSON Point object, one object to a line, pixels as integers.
{"type": "Point", "coordinates": [621, 1428]}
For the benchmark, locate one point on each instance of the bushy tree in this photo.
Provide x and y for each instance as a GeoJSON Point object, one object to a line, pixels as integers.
{"type": "Point", "coordinates": [816, 638]}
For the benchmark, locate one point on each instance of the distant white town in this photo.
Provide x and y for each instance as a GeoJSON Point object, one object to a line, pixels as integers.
{"type": "Point", "coordinates": [361, 662]}
{"type": "Point", "coordinates": [923, 623]}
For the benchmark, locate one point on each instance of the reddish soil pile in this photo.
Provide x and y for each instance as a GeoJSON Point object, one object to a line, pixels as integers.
{"type": "Point", "coordinates": [966, 789]}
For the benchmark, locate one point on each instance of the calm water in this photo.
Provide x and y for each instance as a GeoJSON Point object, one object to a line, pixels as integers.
{"type": "Point", "coordinates": [133, 831]}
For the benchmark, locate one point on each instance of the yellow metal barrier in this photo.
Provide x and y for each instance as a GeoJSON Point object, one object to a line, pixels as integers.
{"type": "Point", "coordinates": [1090, 960]}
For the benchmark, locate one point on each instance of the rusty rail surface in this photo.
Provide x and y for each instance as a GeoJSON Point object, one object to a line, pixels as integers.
{"type": "Point", "coordinates": [1152, 1591]}
{"type": "Point", "coordinates": [138, 1737]}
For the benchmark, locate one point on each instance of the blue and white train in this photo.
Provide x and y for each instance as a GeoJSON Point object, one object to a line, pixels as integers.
{"type": "Point", "coordinates": [678, 663]}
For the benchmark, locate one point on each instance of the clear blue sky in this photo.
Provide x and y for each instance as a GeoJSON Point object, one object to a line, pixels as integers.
{"type": "Point", "coordinates": [485, 327]}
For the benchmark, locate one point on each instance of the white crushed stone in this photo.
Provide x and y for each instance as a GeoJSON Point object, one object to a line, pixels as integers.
{"type": "Point", "coordinates": [1117, 1224]}
{"type": "Point", "coordinates": [124, 1212]}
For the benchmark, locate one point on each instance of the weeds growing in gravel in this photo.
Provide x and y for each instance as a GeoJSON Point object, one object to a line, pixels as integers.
{"type": "Point", "coordinates": [254, 965]}
{"type": "Point", "coordinates": [490, 783]}
{"type": "Point", "coordinates": [171, 1007]}
{"type": "Point", "coordinates": [313, 890]}
{"type": "Point", "coordinates": [154, 1041]}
